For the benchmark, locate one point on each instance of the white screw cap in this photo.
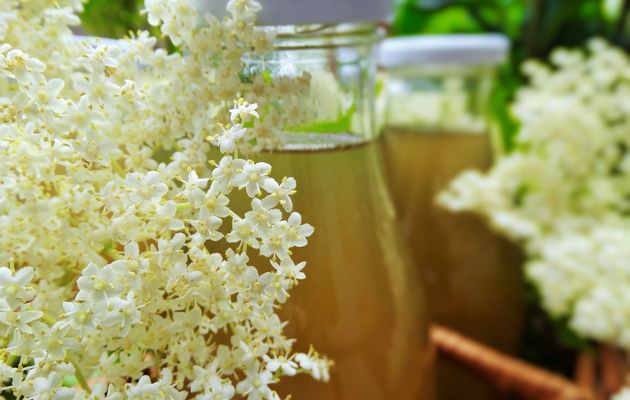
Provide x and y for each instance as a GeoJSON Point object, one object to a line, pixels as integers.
{"type": "Point", "coordinates": [469, 49]}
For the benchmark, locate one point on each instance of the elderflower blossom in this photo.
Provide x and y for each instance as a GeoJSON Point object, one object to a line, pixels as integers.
{"type": "Point", "coordinates": [123, 260]}
{"type": "Point", "coordinates": [564, 193]}
{"type": "Point", "coordinates": [624, 394]}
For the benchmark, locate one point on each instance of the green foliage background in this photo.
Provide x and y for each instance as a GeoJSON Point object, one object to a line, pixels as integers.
{"type": "Point", "coordinates": [114, 18]}
{"type": "Point", "coordinates": [535, 27]}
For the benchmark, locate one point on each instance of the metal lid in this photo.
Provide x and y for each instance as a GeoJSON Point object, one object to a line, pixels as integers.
{"type": "Point", "coordinates": [298, 12]}
{"type": "Point", "coordinates": [468, 49]}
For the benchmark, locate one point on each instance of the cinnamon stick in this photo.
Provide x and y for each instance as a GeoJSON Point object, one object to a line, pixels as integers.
{"type": "Point", "coordinates": [586, 371]}
{"type": "Point", "coordinates": [612, 366]}
{"type": "Point", "coordinates": [508, 374]}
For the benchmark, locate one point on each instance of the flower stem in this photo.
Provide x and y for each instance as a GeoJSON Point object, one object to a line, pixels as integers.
{"type": "Point", "coordinates": [183, 206]}
{"type": "Point", "coordinates": [77, 372]}
{"type": "Point", "coordinates": [49, 320]}
{"type": "Point", "coordinates": [111, 253]}
{"type": "Point", "coordinates": [118, 169]}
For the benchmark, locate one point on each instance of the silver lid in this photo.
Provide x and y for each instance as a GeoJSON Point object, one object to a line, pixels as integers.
{"type": "Point", "coordinates": [298, 12]}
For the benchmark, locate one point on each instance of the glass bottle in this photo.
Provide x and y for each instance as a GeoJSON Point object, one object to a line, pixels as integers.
{"type": "Point", "coordinates": [361, 304]}
{"type": "Point", "coordinates": [436, 126]}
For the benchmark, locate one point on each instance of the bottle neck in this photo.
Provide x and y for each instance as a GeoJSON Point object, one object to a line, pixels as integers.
{"type": "Point", "coordinates": [318, 36]}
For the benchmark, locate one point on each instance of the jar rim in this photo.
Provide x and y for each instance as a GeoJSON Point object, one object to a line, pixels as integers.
{"type": "Point", "coordinates": [323, 36]}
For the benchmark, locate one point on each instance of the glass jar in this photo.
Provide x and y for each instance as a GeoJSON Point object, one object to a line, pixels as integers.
{"type": "Point", "coordinates": [436, 126]}
{"type": "Point", "coordinates": [361, 304]}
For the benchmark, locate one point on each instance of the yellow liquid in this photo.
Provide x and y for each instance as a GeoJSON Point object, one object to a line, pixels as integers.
{"type": "Point", "coordinates": [361, 304]}
{"type": "Point", "coordinates": [473, 277]}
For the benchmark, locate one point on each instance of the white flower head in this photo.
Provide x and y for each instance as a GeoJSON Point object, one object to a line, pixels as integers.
{"type": "Point", "coordinates": [229, 137]}
{"type": "Point", "coordinates": [563, 192]}
{"type": "Point", "coordinates": [14, 287]}
{"type": "Point", "coordinates": [242, 111]}
{"type": "Point", "coordinates": [252, 176]}
{"type": "Point", "coordinates": [108, 195]}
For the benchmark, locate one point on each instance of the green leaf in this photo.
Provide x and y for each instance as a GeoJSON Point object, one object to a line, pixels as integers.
{"type": "Point", "coordinates": [342, 124]}
{"type": "Point", "coordinates": [454, 19]}
{"type": "Point", "coordinates": [568, 337]}
{"type": "Point", "coordinates": [507, 83]}
{"type": "Point", "coordinates": [267, 78]}
{"type": "Point", "coordinates": [114, 18]}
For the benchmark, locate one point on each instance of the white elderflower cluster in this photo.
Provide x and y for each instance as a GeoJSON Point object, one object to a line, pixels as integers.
{"type": "Point", "coordinates": [565, 191]}
{"type": "Point", "coordinates": [126, 271]}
